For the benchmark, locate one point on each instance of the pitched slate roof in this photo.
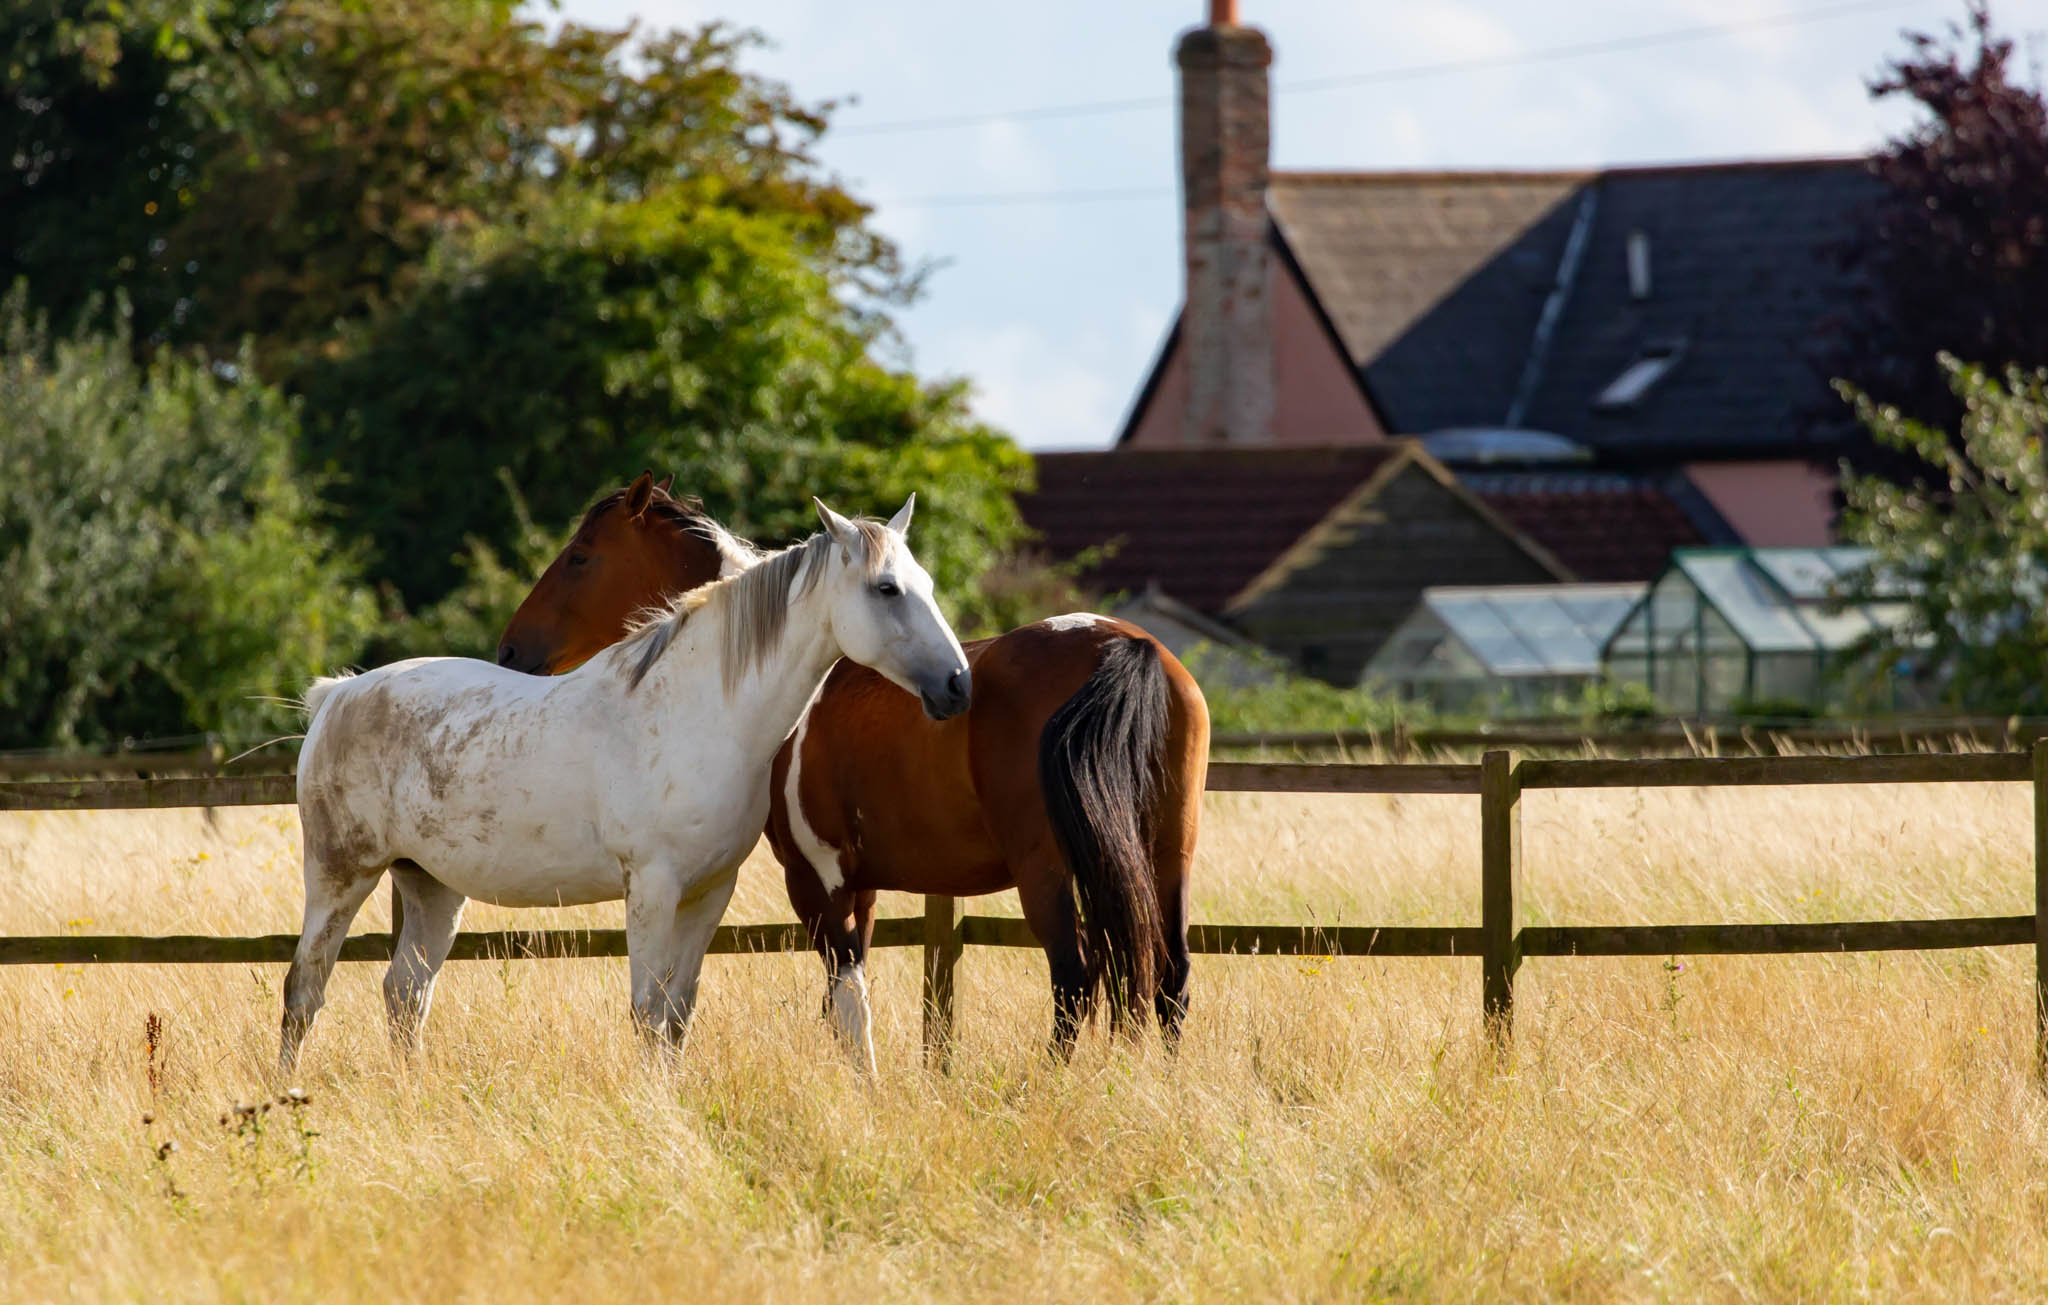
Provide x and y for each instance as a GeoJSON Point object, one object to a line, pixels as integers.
{"type": "Point", "coordinates": [1740, 273]}
{"type": "Point", "coordinates": [1603, 525]}
{"type": "Point", "coordinates": [1201, 524]}
{"type": "Point", "coordinates": [1436, 283]}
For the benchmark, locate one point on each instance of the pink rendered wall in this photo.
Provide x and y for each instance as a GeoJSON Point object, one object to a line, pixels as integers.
{"type": "Point", "coordinates": [1315, 402]}
{"type": "Point", "coordinates": [1770, 504]}
{"type": "Point", "coordinates": [1159, 426]}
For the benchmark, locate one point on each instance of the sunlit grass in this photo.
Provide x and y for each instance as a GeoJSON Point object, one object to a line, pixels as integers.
{"type": "Point", "coordinates": [1724, 1128]}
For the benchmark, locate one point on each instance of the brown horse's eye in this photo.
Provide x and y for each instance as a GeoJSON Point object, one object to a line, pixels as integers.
{"type": "Point", "coordinates": [579, 559]}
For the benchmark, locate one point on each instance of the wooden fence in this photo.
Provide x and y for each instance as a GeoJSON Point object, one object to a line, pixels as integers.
{"type": "Point", "coordinates": [1500, 941]}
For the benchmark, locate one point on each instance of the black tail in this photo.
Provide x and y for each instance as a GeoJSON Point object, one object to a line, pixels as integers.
{"type": "Point", "coordinates": [1098, 763]}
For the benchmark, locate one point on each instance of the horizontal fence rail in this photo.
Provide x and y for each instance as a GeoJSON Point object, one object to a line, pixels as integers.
{"type": "Point", "coordinates": [1757, 735]}
{"type": "Point", "coordinates": [1501, 941]}
{"type": "Point", "coordinates": [197, 754]}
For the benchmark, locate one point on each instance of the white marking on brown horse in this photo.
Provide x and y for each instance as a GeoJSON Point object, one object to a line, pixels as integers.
{"type": "Point", "coordinates": [822, 856]}
{"type": "Point", "coordinates": [1074, 621]}
{"type": "Point", "coordinates": [848, 1006]}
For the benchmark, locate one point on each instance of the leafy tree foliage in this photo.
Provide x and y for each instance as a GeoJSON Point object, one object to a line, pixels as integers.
{"type": "Point", "coordinates": [160, 568]}
{"type": "Point", "coordinates": [1955, 255]}
{"type": "Point", "coordinates": [1966, 542]}
{"type": "Point", "coordinates": [475, 249]}
{"type": "Point", "coordinates": [244, 168]}
{"type": "Point", "coordinates": [605, 336]}
{"type": "Point", "coordinates": [99, 148]}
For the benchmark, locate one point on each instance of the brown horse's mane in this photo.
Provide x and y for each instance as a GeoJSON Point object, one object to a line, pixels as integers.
{"type": "Point", "coordinates": [685, 511]}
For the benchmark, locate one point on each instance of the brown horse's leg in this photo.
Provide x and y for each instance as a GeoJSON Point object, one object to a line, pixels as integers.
{"type": "Point", "coordinates": [1175, 821]}
{"type": "Point", "coordinates": [1047, 893]}
{"type": "Point", "coordinates": [839, 924]}
{"type": "Point", "coordinates": [1174, 813]}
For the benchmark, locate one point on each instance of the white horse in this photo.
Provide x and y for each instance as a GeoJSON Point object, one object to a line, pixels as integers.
{"type": "Point", "coordinates": [642, 775]}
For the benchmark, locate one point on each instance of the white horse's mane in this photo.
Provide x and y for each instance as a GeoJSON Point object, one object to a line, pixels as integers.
{"type": "Point", "coordinates": [754, 603]}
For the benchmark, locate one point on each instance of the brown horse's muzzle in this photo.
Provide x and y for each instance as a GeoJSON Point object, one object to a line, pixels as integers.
{"type": "Point", "coordinates": [526, 659]}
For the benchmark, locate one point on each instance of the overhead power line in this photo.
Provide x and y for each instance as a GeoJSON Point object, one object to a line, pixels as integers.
{"type": "Point", "coordinates": [1380, 76]}
{"type": "Point", "coordinates": [1028, 197]}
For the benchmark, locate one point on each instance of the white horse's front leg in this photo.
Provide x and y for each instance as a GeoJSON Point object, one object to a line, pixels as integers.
{"type": "Point", "coordinates": [670, 918]}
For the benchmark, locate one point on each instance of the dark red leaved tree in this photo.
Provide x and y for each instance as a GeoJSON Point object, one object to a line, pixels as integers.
{"type": "Point", "coordinates": [1954, 254]}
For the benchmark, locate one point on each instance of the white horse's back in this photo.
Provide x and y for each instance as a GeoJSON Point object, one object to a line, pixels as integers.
{"type": "Point", "coordinates": [481, 773]}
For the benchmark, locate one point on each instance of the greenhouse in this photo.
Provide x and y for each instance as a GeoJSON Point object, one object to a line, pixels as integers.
{"type": "Point", "coordinates": [1514, 648]}
{"type": "Point", "coordinates": [1731, 628]}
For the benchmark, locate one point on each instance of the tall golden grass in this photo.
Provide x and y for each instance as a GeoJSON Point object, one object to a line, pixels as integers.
{"type": "Point", "coordinates": [1775, 1128]}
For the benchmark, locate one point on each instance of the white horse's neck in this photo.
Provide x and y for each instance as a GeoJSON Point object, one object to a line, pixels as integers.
{"type": "Point", "coordinates": [763, 705]}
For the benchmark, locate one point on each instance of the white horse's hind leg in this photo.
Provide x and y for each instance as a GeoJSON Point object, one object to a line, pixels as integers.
{"type": "Point", "coordinates": [433, 912]}
{"type": "Point", "coordinates": [667, 935]}
{"type": "Point", "coordinates": [332, 901]}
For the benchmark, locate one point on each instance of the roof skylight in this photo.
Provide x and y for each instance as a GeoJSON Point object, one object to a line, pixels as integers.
{"type": "Point", "coordinates": [1637, 379]}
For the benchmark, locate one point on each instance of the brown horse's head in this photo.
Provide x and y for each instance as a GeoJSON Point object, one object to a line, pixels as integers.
{"type": "Point", "coordinates": [635, 546]}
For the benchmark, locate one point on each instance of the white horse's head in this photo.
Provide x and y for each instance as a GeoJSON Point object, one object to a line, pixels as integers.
{"type": "Point", "coordinates": [883, 613]}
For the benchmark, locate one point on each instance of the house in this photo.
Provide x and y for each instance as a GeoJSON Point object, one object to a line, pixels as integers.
{"type": "Point", "coordinates": [1520, 648]}
{"type": "Point", "coordinates": [1612, 363]}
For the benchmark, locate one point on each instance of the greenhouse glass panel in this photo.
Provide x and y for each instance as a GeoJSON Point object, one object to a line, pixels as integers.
{"type": "Point", "coordinates": [1805, 574]}
{"type": "Point", "coordinates": [1480, 627]}
{"type": "Point", "coordinates": [1561, 644]}
{"type": "Point", "coordinates": [1787, 677]}
{"type": "Point", "coordinates": [1750, 602]}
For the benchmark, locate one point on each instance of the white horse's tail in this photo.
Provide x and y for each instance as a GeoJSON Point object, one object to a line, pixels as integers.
{"type": "Point", "coordinates": [319, 691]}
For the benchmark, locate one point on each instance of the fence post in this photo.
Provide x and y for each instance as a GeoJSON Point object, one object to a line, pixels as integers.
{"type": "Point", "coordinates": [942, 944]}
{"type": "Point", "coordinates": [2041, 908]}
{"type": "Point", "coordinates": [1500, 888]}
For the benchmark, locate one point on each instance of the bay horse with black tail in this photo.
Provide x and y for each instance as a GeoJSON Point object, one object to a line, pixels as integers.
{"type": "Point", "coordinates": [1077, 772]}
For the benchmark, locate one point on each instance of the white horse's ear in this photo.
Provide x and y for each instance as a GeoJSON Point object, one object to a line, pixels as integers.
{"type": "Point", "coordinates": [900, 523]}
{"type": "Point", "coordinates": [841, 530]}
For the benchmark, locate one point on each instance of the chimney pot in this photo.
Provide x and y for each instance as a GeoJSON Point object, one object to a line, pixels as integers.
{"type": "Point", "coordinates": [1222, 13]}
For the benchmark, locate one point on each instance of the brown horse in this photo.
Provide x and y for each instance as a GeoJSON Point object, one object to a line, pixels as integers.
{"type": "Point", "coordinates": [1078, 770]}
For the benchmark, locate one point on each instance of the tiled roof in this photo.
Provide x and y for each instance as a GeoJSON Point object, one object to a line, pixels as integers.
{"type": "Point", "coordinates": [1436, 283]}
{"type": "Point", "coordinates": [1603, 525]}
{"type": "Point", "coordinates": [1199, 523]}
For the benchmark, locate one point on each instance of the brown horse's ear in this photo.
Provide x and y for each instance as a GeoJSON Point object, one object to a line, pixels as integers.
{"type": "Point", "coordinates": [665, 482]}
{"type": "Point", "coordinates": [638, 494]}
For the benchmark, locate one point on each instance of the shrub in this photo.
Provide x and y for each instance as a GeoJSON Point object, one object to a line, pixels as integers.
{"type": "Point", "coordinates": [160, 568]}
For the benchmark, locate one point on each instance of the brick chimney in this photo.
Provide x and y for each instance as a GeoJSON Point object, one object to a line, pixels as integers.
{"type": "Point", "coordinates": [1226, 321]}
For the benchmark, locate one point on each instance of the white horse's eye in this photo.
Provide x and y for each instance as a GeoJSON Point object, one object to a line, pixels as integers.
{"type": "Point", "coordinates": [888, 589]}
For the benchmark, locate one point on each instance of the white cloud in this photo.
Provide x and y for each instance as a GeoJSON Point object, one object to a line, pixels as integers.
{"type": "Point", "coordinates": [1047, 391]}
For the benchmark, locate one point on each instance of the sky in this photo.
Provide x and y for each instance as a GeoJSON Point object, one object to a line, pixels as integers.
{"type": "Point", "coordinates": [1055, 236]}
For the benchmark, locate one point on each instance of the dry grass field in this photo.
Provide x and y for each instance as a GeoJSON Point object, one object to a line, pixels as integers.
{"type": "Point", "coordinates": [1796, 1128]}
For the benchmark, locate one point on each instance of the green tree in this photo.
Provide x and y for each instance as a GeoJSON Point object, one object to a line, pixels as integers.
{"type": "Point", "coordinates": [160, 570]}
{"type": "Point", "coordinates": [606, 336]}
{"type": "Point", "coordinates": [271, 168]}
{"type": "Point", "coordinates": [100, 146]}
{"type": "Point", "coordinates": [1965, 545]}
